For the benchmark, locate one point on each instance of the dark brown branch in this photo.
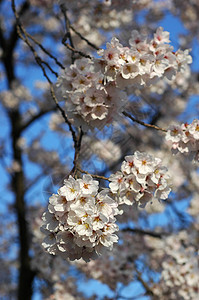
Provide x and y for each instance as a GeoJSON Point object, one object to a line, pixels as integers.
{"type": "Point", "coordinates": [84, 39]}
{"type": "Point", "coordinates": [77, 141]}
{"type": "Point", "coordinates": [77, 51]}
{"type": "Point", "coordinates": [142, 123]}
{"type": "Point", "coordinates": [93, 175]}
{"type": "Point", "coordinates": [77, 153]}
{"type": "Point", "coordinates": [14, 36]}
{"type": "Point", "coordinates": [26, 275]}
{"type": "Point", "coordinates": [45, 50]}
{"type": "Point", "coordinates": [23, 35]}
{"type": "Point", "coordinates": [36, 117]}
{"type": "Point", "coordinates": [2, 39]}
{"type": "Point", "coordinates": [67, 34]}
{"type": "Point", "coordinates": [49, 67]}
{"type": "Point", "coordinates": [144, 284]}
{"type": "Point", "coordinates": [145, 232]}
{"type": "Point", "coordinates": [9, 45]}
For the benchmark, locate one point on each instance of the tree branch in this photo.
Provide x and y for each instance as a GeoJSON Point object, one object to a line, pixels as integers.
{"type": "Point", "coordinates": [26, 275]}
{"type": "Point", "coordinates": [142, 123]}
{"type": "Point", "coordinates": [8, 47]}
{"type": "Point", "coordinates": [37, 116]}
{"type": "Point", "coordinates": [21, 31]}
{"type": "Point", "coordinates": [84, 39]}
{"type": "Point", "coordinates": [93, 175]}
{"type": "Point", "coordinates": [67, 34]}
{"type": "Point", "coordinates": [145, 232]}
{"type": "Point", "coordinates": [144, 284]}
{"type": "Point", "coordinates": [77, 51]}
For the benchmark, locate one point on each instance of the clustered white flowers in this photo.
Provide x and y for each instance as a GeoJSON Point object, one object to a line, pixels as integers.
{"type": "Point", "coordinates": [185, 139]}
{"type": "Point", "coordinates": [89, 101]}
{"type": "Point", "coordinates": [144, 62]}
{"type": "Point", "coordinates": [80, 221]}
{"type": "Point", "coordinates": [141, 178]}
{"type": "Point", "coordinates": [180, 276]}
{"type": "Point", "coordinates": [92, 87]}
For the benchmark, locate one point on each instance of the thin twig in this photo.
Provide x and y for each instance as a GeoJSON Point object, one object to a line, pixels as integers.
{"type": "Point", "coordinates": [142, 123]}
{"type": "Point", "coordinates": [93, 175]}
{"type": "Point", "coordinates": [67, 34]}
{"type": "Point", "coordinates": [20, 30]}
{"type": "Point", "coordinates": [145, 232]}
{"type": "Point", "coordinates": [35, 117]}
{"type": "Point", "coordinates": [144, 284]}
{"type": "Point", "coordinates": [77, 51]}
{"type": "Point", "coordinates": [77, 141]}
{"type": "Point", "coordinates": [45, 50]}
{"type": "Point", "coordinates": [84, 39]}
{"type": "Point", "coordinates": [49, 67]}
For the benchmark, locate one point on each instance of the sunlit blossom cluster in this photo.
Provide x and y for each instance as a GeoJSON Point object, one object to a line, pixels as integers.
{"type": "Point", "coordinates": [88, 100]}
{"type": "Point", "coordinates": [141, 178]}
{"type": "Point", "coordinates": [185, 139]}
{"type": "Point", "coordinates": [80, 221]}
{"type": "Point", "coordinates": [144, 62]}
{"type": "Point", "coordinates": [91, 88]}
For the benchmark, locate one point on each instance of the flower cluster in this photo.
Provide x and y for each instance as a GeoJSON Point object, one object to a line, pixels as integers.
{"type": "Point", "coordinates": [80, 221]}
{"type": "Point", "coordinates": [144, 62]}
{"type": "Point", "coordinates": [88, 100]}
{"type": "Point", "coordinates": [92, 87]}
{"type": "Point", "coordinates": [180, 276]}
{"type": "Point", "coordinates": [185, 139]}
{"type": "Point", "coordinates": [141, 177]}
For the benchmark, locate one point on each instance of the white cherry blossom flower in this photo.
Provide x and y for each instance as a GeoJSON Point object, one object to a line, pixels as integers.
{"type": "Point", "coordinates": [161, 36]}
{"type": "Point", "coordinates": [70, 189]}
{"type": "Point", "coordinates": [144, 163]}
{"type": "Point", "coordinates": [87, 185]}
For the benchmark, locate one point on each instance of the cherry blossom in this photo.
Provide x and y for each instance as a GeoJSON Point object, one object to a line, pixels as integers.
{"type": "Point", "coordinates": [144, 60]}
{"type": "Point", "coordinates": [185, 139]}
{"type": "Point", "coordinates": [179, 277]}
{"type": "Point", "coordinates": [88, 100]}
{"type": "Point", "coordinates": [80, 221]}
{"type": "Point", "coordinates": [141, 177]}
{"type": "Point", "coordinates": [92, 87]}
